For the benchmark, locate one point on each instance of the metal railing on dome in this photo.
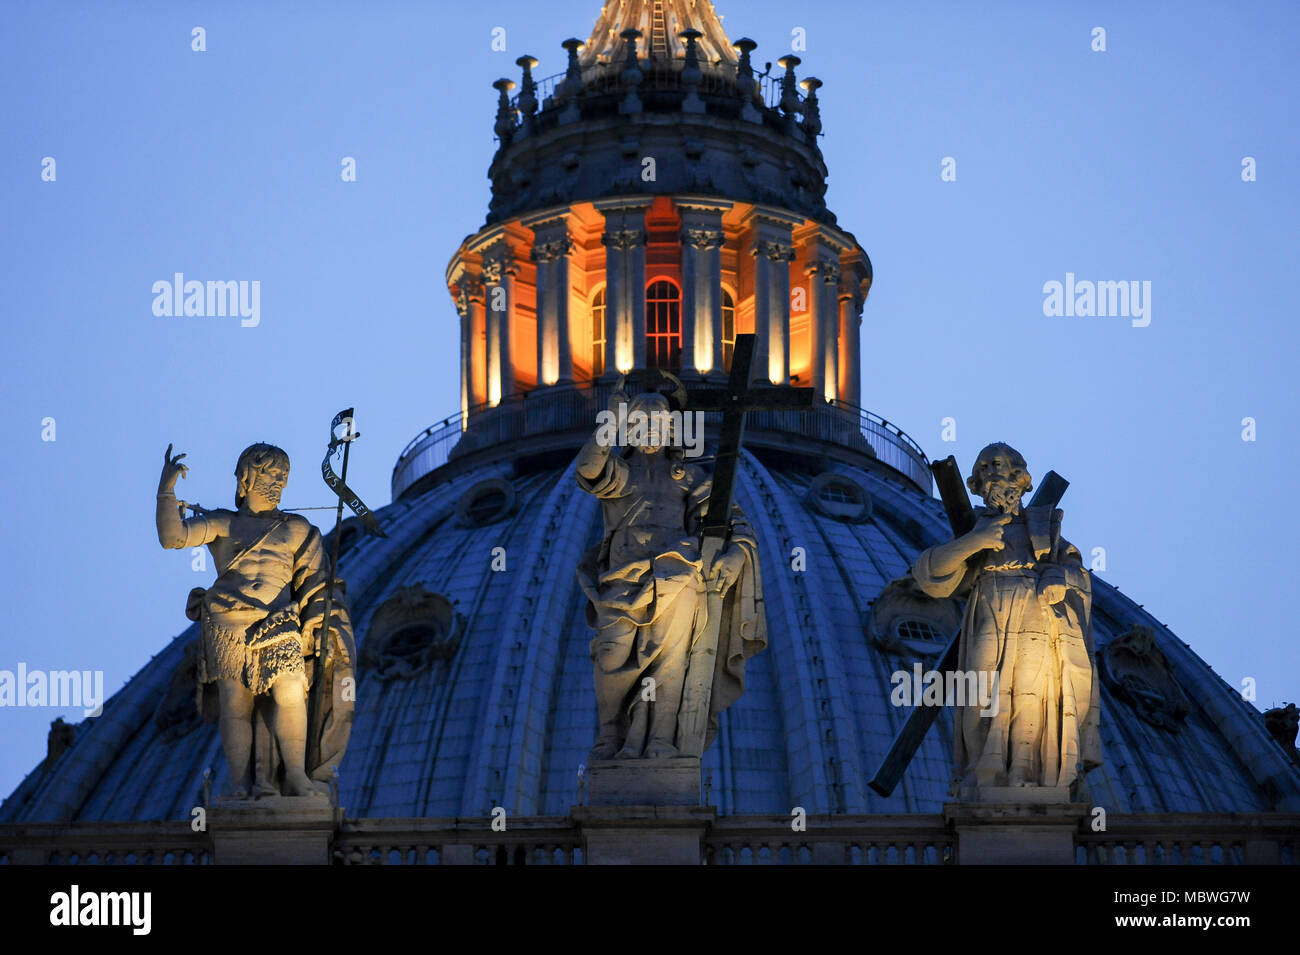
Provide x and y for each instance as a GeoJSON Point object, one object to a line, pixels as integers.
{"type": "Point", "coordinates": [557, 409]}
{"type": "Point", "coordinates": [659, 74]}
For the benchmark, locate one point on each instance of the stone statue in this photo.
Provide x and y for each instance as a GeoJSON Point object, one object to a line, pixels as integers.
{"type": "Point", "coordinates": [261, 623]}
{"type": "Point", "coordinates": [649, 591]}
{"type": "Point", "coordinates": [1027, 620]}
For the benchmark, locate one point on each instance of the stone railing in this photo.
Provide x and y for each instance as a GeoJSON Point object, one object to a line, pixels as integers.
{"type": "Point", "coordinates": [104, 843]}
{"type": "Point", "coordinates": [553, 412]}
{"type": "Point", "coordinates": [1188, 839]}
{"type": "Point", "coordinates": [830, 840]}
{"type": "Point", "coordinates": [1264, 839]}
{"type": "Point", "coordinates": [537, 840]}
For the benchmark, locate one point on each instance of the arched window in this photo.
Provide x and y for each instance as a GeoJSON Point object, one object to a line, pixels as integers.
{"type": "Point", "coordinates": [598, 334]}
{"type": "Point", "coordinates": [663, 326]}
{"type": "Point", "coordinates": [728, 329]}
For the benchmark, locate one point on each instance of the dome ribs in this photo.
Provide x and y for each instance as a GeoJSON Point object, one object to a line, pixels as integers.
{"type": "Point", "coordinates": [802, 683]}
{"type": "Point", "coordinates": [508, 764]}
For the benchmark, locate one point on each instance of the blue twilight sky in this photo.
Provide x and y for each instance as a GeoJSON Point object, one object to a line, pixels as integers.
{"type": "Point", "coordinates": [1116, 165]}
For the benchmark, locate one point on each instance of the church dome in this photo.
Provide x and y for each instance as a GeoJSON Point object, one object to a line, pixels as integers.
{"type": "Point", "coordinates": [474, 675]}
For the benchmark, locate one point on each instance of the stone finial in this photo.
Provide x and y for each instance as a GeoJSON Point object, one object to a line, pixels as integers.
{"type": "Point", "coordinates": [527, 93]}
{"type": "Point", "coordinates": [572, 83]}
{"type": "Point", "coordinates": [744, 69]}
{"type": "Point", "coordinates": [505, 124]}
{"type": "Point", "coordinates": [631, 75]}
{"type": "Point", "coordinates": [691, 74]}
{"type": "Point", "coordinates": [789, 91]}
{"type": "Point", "coordinates": [812, 114]}
{"type": "Point", "coordinates": [746, 86]}
{"type": "Point", "coordinates": [692, 56]}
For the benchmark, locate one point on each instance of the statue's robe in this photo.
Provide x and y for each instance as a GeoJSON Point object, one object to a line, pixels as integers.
{"type": "Point", "coordinates": [1048, 712]}
{"type": "Point", "coordinates": [255, 634]}
{"type": "Point", "coordinates": [647, 603]}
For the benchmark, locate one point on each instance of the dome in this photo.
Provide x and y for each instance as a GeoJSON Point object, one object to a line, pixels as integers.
{"type": "Point", "coordinates": [475, 684]}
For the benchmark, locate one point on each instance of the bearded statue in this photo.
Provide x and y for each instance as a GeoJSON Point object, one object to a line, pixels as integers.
{"type": "Point", "coordinates": [1027, 623]}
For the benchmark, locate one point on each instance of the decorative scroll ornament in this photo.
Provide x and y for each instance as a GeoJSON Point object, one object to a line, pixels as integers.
{"type": "Point", "coordinates": [1135, 670]}
{"type": "Point", "coordinates": [409, 632]}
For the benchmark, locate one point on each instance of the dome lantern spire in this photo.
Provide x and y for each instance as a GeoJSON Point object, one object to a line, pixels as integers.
{"type": "Point", "coordinates": [662, 23]}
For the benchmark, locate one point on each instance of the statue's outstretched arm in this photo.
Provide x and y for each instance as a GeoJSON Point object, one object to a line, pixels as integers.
{"type": "Point", "coordinates": [175, 533]}
{"type": "Point", "coordinates": [594, 454]}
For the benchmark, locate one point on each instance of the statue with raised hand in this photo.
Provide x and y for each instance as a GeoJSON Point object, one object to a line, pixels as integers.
{"type": "Point", "coordinates": [261, 627]}
{"type": "Point", "coordinates": [671, 617]}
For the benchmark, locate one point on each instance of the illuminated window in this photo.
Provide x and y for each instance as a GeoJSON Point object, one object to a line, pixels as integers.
{"type": "Point", "coordinates": [663, 326]}
{"type": "Point", "coordinates": [728, 329]}
{"type": "Point", "coordinates": [598, 334]}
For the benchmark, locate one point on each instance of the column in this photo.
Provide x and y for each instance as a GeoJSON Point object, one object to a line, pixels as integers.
{"type": "Point", "coordinates": [831, 326]}
{"type": "Point", "coordinates": [466, 366]}
{"type": "Point", "coordinates": [624, 240]}
{"type": "Point", "coordinates": [551, 247]}
{"type": "Point", "coordinates": [822, 266]}
{"type": "Point", "coordinates": [851, 301]}
{"type": "Point", "coordinates": [499, 271]}
{"type": "Point", "coordinates": [702, 239]}
{"type": "Point", "coordinates": [773, 251]}
{"type": "Point", "coordinates": [772, 258]}
{"type": "Point", "coordinates": [472, 290]}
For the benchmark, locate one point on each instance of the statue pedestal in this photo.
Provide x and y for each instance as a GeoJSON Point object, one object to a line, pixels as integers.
{"type": "Point", "coordinates": [644, 782]}
{"type": "Point", "coordinates": [1015, 826]}
{"type": "Point", "coordinates": [276, 830]}
{"type": "Point", "coordinates": [643, 835]}
{"type": "Point", "coordinates": [644, 812]}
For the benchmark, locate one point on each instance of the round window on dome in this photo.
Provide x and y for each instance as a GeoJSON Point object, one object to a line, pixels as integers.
{"type": "Point", "coordinates": [410, 632]}
{"type": "Point", "coordinates": [840, 497]}
{"type": "Point", "coordinates": [486, 503]}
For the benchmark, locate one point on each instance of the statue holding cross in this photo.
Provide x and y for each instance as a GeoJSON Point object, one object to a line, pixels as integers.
{"type": "Point", "coordinates": [1027, 621]}
{"type": "Point", "coordinates": [674, 589]}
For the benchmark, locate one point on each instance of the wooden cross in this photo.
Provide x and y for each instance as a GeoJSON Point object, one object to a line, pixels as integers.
{"type": "Point", "coordinates": [738, 397]}
{"type": "Point", "coordinates": [961, 518]}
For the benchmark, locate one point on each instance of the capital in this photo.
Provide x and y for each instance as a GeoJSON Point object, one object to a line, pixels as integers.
{"type": "Point", "coordinates": [550, 251]}
{"type": "Point", "coordinates": [828, 269]}
{"type": "Point", "coordinates": [703, 239]}
{"type": "Point", "coordinates": [498, 262]}
{"type": "Point", "coordinates": [771, 249]}
{"type": "Point", "coordinates": [623, 239]}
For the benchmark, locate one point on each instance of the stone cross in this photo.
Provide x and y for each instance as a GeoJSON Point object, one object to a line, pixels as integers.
{"type": "Point", "coordinates": [737, 398]}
